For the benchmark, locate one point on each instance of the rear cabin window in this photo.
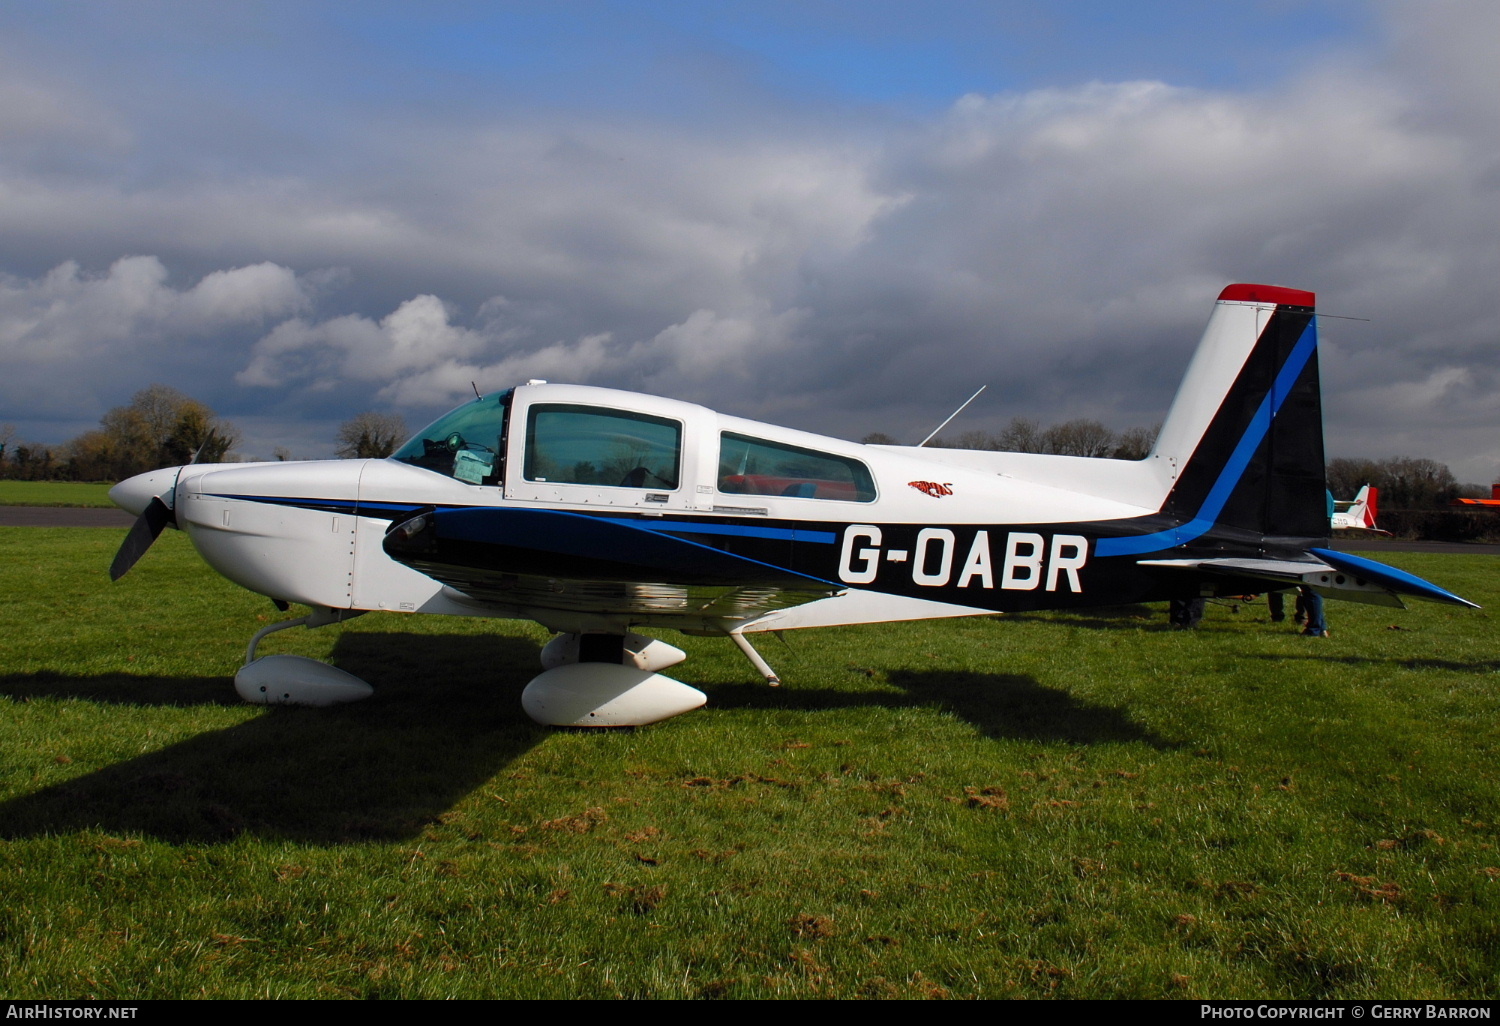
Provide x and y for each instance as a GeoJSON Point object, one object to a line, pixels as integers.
{"type": "Point", "coordinates": [589, 445]}
{"type": "Point", "coordinates": [754, 466]}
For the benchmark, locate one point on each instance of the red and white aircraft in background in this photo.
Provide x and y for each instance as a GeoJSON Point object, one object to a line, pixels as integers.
{"type": "Point", "coordinates": [1358, 515]}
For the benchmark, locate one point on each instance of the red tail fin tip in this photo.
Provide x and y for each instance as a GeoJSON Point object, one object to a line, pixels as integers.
{"type": "Point", "coordinates": [1268, 294]}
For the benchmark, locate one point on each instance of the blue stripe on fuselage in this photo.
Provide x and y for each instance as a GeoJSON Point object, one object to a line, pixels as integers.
{"type": "Point", "coordinates": [670, 526]}
{"type": "Point", "coordinates": [776, 533]}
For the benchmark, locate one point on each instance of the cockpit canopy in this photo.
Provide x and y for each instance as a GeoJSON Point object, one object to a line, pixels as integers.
{"type": "Point", "coordinates": [611, 451]}
{"type": "Point", "coordinates": [467, 443]}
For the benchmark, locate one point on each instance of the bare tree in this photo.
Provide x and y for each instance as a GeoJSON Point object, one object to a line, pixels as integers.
{"type": "Point", "coordinates": [879, 438]}
{"type": "Point", "coordinates": [1418, 483]}
{"type": "Point", "coordinates": [1135, 443]}
{"type": "Point", "coordinates": [1071, 438]}
{"type": "Point", "coordinates": [1020, 435]}
{"type": "Point", "coordinates": [1404, 482]}
{"type": "Point", "coordinates": [370, 436]}
{"type": "Point", "coordinates": [1080, 437]}
{"type": "Point", "coordinates": [974, 440]}
{"type": "Point", "coordinates": [1346, 476]}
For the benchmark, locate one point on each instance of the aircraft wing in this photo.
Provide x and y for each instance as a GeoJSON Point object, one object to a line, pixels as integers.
{"type": "Point", "coordinates": [558, 560]}
{"type": "Point", "coordinates": [1333, 574]}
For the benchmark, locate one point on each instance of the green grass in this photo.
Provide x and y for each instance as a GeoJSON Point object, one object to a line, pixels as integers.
{"type": "Point", "coordinates": [1081, 805]}
{"type": "Point", "coordinates": [55, 493]}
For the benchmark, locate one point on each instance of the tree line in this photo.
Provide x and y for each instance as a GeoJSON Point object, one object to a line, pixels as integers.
{"type": "Point", "coordinates": [1081, 437]}
{"type": "Point", "coordinates": [162, 427]}
{"type": "Point", "coordinates": [1404, 482]}
{"type": "Point", "coordinates": [159, 427]}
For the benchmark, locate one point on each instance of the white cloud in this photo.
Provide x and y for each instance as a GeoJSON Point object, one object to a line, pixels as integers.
{"type": "Point", "coordinates": [418, 358]}
{"type": "Point", "coordinates": [410, 340]}
{"type": "Point", "coordinates": [68, 337]}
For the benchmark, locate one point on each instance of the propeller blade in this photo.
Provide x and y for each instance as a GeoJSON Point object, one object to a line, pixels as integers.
{"type": "Point", "coordinates": [204, 445]}
{"type": "Point", "coordinates": [152, 521]}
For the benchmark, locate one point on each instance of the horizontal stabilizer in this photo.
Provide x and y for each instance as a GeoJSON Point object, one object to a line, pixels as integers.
{"type": "Point", "coordinates": [1396, 580]}
{"type": "Point", "coordinates": [1281, 574]}
{"type": "Point", "coordinates": [1290, 573]}
{"type": "Point", "coordinates": [1332, 574]}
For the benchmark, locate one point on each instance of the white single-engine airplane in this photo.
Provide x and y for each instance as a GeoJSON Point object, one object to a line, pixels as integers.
{"type": "Point", "coordinates": [594, 511]}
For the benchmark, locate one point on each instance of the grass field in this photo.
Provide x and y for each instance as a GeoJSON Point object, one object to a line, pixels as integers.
{"type": "Point", "coordinates": [54, 493]}
{"type": "Point", "coordinates": [1084, 805]}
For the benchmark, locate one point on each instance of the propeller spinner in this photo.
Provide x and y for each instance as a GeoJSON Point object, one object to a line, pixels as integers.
{"type": "Point", "coordinates": [142, 495]}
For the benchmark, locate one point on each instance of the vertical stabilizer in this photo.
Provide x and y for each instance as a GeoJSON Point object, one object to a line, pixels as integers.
{"type": "Point", "coordinates": [1244, 437]}
{"type": "Point", "coordinates": [1362, 512]}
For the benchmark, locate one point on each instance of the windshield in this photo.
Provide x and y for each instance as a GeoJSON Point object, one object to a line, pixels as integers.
{"type": "Point", "coordinates": [467, 444]}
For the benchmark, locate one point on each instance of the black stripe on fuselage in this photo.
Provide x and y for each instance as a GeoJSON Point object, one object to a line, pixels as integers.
{"type": "Point", "coordinates": [1012, 567]}
{"type": "Point", "coordinates": [1002, 567]}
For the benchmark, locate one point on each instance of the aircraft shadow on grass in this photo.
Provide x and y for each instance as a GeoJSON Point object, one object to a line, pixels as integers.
{"type": "Point", "coordinates": [1000, 706]}
{"type": "Point", "coordinates": [380, 769]}
{"type": "Point", "coordinates": [387, 768]}
{"type": "Point", "coordinates": [1133, 618]}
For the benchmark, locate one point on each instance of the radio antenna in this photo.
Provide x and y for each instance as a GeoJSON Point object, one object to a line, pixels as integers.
{"type": "Point", "coordinates": [955, 413]}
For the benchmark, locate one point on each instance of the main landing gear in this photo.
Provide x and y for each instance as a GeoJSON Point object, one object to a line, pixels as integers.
{"type": "Point", "coordinates": [607, 680]}
{"type": "Point", "coordinates": [611, 680]}
{"type": "Point", "coordinates": [588, 680]}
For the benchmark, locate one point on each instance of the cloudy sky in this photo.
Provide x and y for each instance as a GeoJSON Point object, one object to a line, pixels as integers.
{"type": "Point", "coordinates": [842, 215]}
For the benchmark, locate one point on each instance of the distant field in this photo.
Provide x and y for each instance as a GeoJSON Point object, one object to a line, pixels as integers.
{"type": "Point", "coordinates": [1083, 805]}
{"type": "Point", "coordinates": [54, 493]}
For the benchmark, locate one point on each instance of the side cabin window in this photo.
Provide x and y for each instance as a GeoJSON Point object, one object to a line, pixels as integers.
{"type": "Point", "coordinates": [467, 443]}
{"type": "Point", "coordinates": [755, 466]}
{"type": "Point", "coordinates": [589, 445]}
